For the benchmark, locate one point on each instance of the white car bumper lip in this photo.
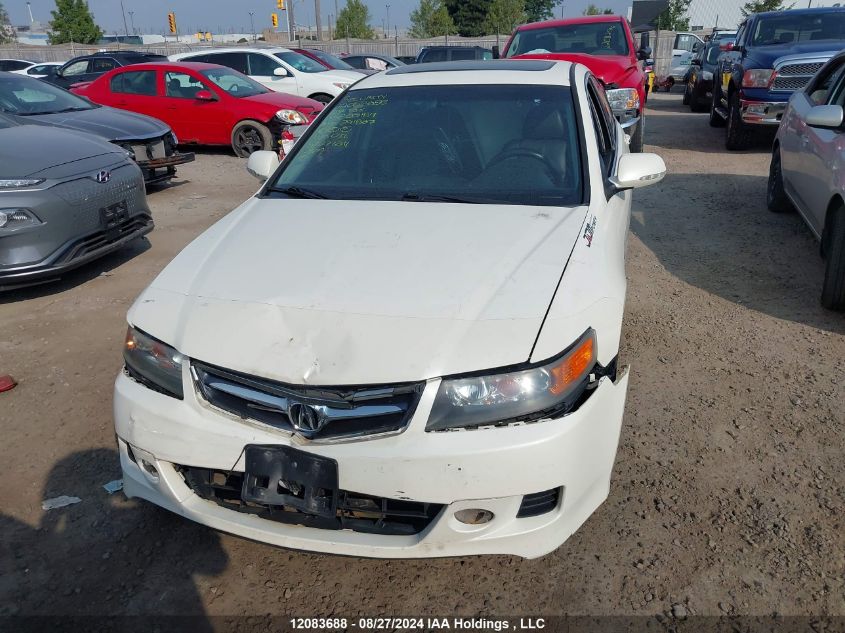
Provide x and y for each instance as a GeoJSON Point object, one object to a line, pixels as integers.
{"type": "Point", "coordinates": [490, 469]}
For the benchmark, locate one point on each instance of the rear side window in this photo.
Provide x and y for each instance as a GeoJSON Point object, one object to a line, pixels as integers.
{"type": "Point", "coordinates": [434, 56]}
{"type": "Point", "coordinates": [102, 64]}
{"type": "Point", "coordinates": [236, 61]}
{"type": "Point", "coordinates": [136, 82]}
{"type": "Point", "coordinates": [462, 54]}
{"type": "Point", "coordinates": [261, 65]}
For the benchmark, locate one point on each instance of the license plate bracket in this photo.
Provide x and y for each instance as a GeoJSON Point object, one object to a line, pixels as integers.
{"type": "Point", "coordinates": [285, 476]}
{"type": "Point", "coordinates": [111, 217]}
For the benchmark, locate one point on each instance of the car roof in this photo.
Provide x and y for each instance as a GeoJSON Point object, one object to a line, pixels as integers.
{"type": "Point", "coordinates": [812, 11]}
{"type": "Point", "coordinates": [446, 48]}
{"type": "Point", "coordinates": [240, 49]}
{"type": "Point", "coordinates": [166, 65]}
{"type": "Point", "coordinates": [587, 19]}
{"type": "Point", "coordinates": [494, 71]}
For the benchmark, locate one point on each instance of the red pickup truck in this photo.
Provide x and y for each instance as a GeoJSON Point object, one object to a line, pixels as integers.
{"type": "Point", "coordinates": [605, 45]}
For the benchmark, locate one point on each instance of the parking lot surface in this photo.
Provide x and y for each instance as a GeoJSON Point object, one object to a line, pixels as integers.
{"type": "Point", "coordinates": [728, 494]}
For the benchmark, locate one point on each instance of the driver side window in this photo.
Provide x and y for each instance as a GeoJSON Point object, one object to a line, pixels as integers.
{"type": "Point", "coordinates": [181, 85]}
{"type": "Point", "coordinates": [77, 68]}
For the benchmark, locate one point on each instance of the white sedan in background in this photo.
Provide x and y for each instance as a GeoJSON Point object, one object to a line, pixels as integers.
{"type": "Point", "coordinates": [406, 343]}
{"type": "Point", "coordinates": [807, 171]}
{"type": "Point", "coordinates": [39, 70]}
{"type": "Point", "coordinates": [279, 69]}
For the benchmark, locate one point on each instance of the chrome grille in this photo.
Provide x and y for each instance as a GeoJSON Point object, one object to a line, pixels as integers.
{"type": "Point", "coordinates": [792, 77]}
{"type": "Point", "coordinates": [331, 413]}
{"type": "Point", "coordinates": [800, 69]}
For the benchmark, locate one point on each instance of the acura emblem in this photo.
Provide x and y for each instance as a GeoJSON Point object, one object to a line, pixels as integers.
{"type": "Point", "coordinates": [305, 419]}
{"type": "Point", "coordinates": [103, 176]}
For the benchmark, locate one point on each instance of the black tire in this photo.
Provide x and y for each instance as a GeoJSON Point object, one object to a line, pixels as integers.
{"type": "Point", "coordinates": [739, 134]}
{"type": "Point", "coordinates": [833, 290]}
{"type": "Point", "coordinates": [776, 198]}
{"type": "Point", "coordinates": [250, 136]}
{"type": "Point", "coordinates": [322, 98]}
{"type": "Point", "coordinates": [636, 144]}
{"type": "Point", "coordinates": [687, 94]}
{"type": "Point", "coordinates": [670, 82]}
{"type": "Point", "coordinates": [716, 119]}
{"type": "Point", "coordinates": [696, 100]}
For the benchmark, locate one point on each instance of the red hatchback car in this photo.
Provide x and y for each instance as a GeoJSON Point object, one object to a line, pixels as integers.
{"type": "Point", "coordinates": [206, 104]}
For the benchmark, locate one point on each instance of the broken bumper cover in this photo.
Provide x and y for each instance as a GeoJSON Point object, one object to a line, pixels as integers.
{"type": "Point", "coordinates": [762, 112]}
{"type": "Point", "coordinates": [151, 167]}
{"type": "Point", "coordinates": [490, 469]}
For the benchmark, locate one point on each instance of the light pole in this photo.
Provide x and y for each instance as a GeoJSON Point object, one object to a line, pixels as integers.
{"type": "Point", "coordinates": [132, 21]}
{"type": "Point", "coordinates": [252, 24]}
{"type": "Point", "coordinates": [387, 6]}
{"type": "Point", "coordinates": [123, 11]}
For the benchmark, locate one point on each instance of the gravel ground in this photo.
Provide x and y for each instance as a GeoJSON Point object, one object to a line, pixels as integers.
{"type": "Point", "coordinates": [729, 488]}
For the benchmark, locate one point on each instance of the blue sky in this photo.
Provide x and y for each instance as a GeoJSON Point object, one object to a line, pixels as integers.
{"type": "Point", "coordinates": [225, 15]}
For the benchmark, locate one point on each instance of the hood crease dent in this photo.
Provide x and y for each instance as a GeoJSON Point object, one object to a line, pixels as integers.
{"type": "Point", "coordinates": [359, 292]}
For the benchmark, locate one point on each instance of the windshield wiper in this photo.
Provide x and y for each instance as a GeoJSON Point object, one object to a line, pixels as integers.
{"type": "Point", "coordinates": [298, 192]}
{"type": "Point", "coordinates": [423, 197]}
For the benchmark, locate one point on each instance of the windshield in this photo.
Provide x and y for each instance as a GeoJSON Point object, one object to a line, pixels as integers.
{"type": "Point", "coordinates": [331, 60]}
{"type": "Point", "coordinates": [501, 144]}
{"type": "Point", "coordinates": [26, 96]}
{"type": "Point", "coordinates": [597, 38]}
{"type": "Point", "coordinates": [301, 62]}
{"type": "Point", "coordinates": [235, 83]}
{"type": "Point", "coordinates": [786, 28]}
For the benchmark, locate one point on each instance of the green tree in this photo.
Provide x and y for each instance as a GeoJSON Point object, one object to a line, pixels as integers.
{"type": "Point", "coordinates": [354, 21]}
{"type": "Point", "coordinates": [538, 10]}
{"type": "Point", "coordinates": [504, 16]}
{"type": "Point", "coordinates": [468, 16]}
{"type": "Point", "coordinates": [431, 19]}
{"type": "Point", "coordinates": [7, 33]}
{"type": "Point", "coordinates": [760, 6]}
{"type": "Point", "coordinates": [674, 17]}
{"type": "Point", "coordinates": [73, 22]}
{"type": "Point", "coordinates": [594, 10]}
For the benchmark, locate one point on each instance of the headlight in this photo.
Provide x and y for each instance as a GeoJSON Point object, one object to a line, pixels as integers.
{"type": "Point", "coordinates": [153, 363]}
{"type": "Point", "coordinates": [19, 182]}
{"type": "Point", "coordinates": [13, 219]}
{"type": "Point", "coordinates": [706, 75]}
{"type": "Point", "coordinates": [292, 116]}
{"type": "Point", "coordinates": [174, 138]}
{"type": "Point", "coordinates": [548, 390]}
{"type": "Point", "coordinates": [342, 85]}
{"type": "Point", "coordinates": [622, 99]}
{"type": "Point", "coordinates": [757, 78]}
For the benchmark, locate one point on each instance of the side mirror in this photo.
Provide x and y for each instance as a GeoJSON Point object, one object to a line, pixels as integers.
{"type": "Point", "coordinates": [826, 116]}
{"type": "Point", "coordinates": [59, 72]}
{"type": "Point", "coordinates": [205, 95]}
{"type": "Point", "coordinates": [280, 72]}
{"type": "Point", "coordinates": [638, 170]}
{"type": "Point", "coordinates": [496, 53]}
{"type": "Point", "coordinates": [644, 40]}
{"type": "Point", "coordinates": [644, 53]}
{"type": "Point", "coordinates": [262, 164]}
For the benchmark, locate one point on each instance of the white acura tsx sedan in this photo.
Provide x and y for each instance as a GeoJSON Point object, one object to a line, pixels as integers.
{"type": "Point", "coordinates": [406, 343]}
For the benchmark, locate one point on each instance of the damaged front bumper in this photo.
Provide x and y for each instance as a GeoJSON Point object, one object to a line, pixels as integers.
{"type": "Point", "coordinates": [398, 495]}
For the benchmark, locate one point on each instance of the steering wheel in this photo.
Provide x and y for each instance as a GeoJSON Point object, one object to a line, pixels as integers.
{"type": "Point", "coordinates": [521, 152]}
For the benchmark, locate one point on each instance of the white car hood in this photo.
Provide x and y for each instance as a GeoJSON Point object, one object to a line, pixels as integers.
{"type": "Point", "coordinates": [352, 292]}
{"type": "Point", "coordinates": [341, 76]}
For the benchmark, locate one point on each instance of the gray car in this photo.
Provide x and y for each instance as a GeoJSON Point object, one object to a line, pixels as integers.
{"type": "Point", "coordinates": [66, 198]}
{"type": "Point", "coordinates": [807, 171]}
{"type": "Point", "coordinates": [151, 142]}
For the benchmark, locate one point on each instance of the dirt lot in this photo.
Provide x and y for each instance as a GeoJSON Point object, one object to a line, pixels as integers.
{"type": "Point", "coordinates": [729, 489]}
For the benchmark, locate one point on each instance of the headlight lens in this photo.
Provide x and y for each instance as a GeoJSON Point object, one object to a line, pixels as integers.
{"type": "Point", "coordinates": [19, 182]}
{"type": "Point", "coordinates": [757, 78]}
{"type": "Point", "coordinates": [622, 99]}
{"type": "Point", "coordinates": [706, 75]}
{"type": "Point", "coordinates": [291, 116]}
{"type": "Point", "coordinates": [154, 363]}
{"type": "Point", "coordinates": [12, 219]}
{"type": "Point", "coordinates": [174, 138]}
{"type": "Point", "coordinates": [342, 85]}
{"type": "Point", "coordinates": [548, 390]}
